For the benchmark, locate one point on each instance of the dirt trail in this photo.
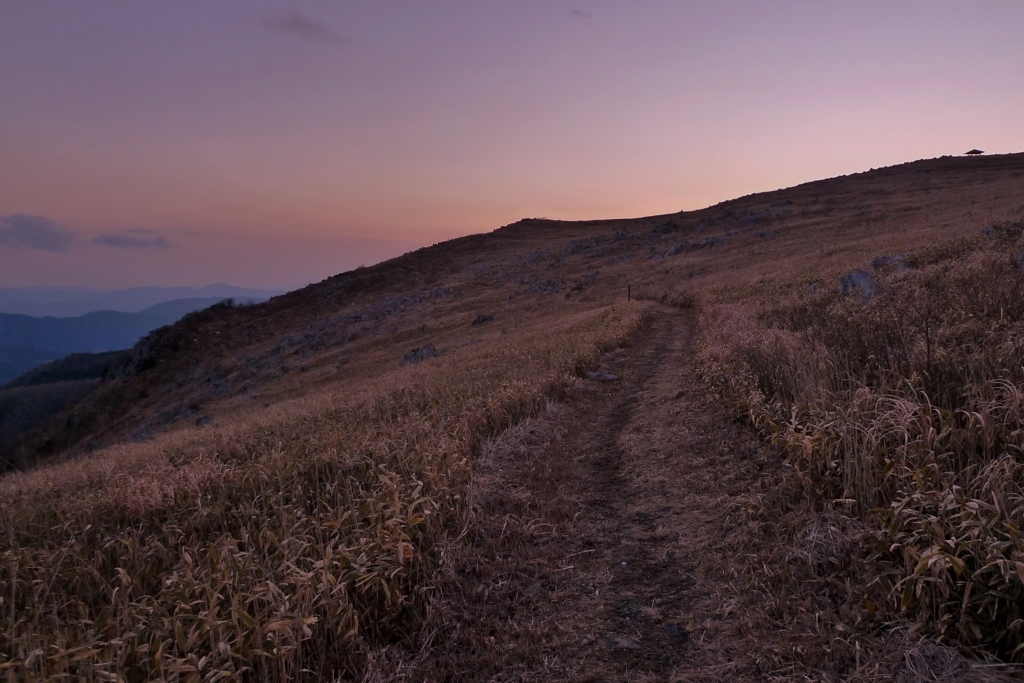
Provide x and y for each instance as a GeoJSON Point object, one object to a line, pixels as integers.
{"type": "Point", "coordinates": [605, 534]}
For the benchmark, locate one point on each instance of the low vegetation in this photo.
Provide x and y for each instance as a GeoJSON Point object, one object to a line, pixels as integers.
{"type": "Point", "coordinates": [907, 411]}
{"type": "Point", "coordinates": [289, 546]}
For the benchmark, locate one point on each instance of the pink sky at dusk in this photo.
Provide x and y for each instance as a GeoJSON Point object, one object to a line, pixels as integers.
{"type": "Point", "coordinates": [274, 144]}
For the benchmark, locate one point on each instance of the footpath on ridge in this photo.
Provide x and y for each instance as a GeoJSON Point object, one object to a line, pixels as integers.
{"type": "Point", "coordinates": [607, 536]}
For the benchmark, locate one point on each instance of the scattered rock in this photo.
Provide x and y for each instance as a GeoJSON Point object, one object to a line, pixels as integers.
{"type": "Point", "coordinates": [709, 242]}
{"type": "Point", "coordinates": [550, 286]}
{"type": "Point", "coordinates": [602, 377]}
{"type": "Point", "coordinates": [1020, 260]}
{"type": "Point", "coordinates": [614, 641]}
{"type": "Point", "coordinates": [812, 288]}
{"type": "Point", "coordinates": [585, 280]}
{"type": "Point", "coordinates": [861, 282]}
{"type": "Point", "coordinates": [204, 421]}
{"type": "Point", "coordinates": [677, 248]}
{"type": "Point", "coordinates": [419, 354]}
{"type": "Point", "coordinates": [582, 245]}
{"type": "Point", "coordinates": [481, 319]}
{"type": "Point", "coordinates": [1003, 231]}
{"type": "Point", "coordinates": [765, 234]}
{"type": "Point", "coordinates": [752, 216]}
{"type": "Point", "coordinates": [894, 262]}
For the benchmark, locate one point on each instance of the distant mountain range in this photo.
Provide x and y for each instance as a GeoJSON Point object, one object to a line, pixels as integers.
{"type": "Point", "coordinates": [27, 342]}
{"type": "Point", "coordinates": [67, 302]}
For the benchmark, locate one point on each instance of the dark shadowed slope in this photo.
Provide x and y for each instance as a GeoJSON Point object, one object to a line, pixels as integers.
{"type": "Point", "coordinates": [77, 366]}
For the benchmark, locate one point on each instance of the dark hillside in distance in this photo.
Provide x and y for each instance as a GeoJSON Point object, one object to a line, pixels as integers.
{"type": "Point", "coordinates": [32, 399]}
{"type": "Point", "coordinates": [26, 407]}
{"type": "Point", "coordinates": [69, 302]}
{"type": "Point", "coordinates": [27, 342]}
{"type": "Point", "coordinates": [77, 366]}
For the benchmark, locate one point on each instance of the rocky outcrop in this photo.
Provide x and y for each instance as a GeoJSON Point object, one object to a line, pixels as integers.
{"type": "Point", "coordinates": [858, 282]}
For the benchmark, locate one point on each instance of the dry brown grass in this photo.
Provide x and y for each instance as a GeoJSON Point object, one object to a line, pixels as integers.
{"type": "Point", "coordinates": [907, 412]}
{"type": "Point", "coordinates": [290, 546]}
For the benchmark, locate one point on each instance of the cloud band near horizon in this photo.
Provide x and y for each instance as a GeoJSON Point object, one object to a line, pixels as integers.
{"type": "Point", "coordinates": [133, 239]}
{"type": "Point", "coordinates": [24, 231]}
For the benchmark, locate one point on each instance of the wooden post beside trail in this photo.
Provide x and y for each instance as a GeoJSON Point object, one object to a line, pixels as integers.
{"type": "Point", "coordinates": [629, 294]}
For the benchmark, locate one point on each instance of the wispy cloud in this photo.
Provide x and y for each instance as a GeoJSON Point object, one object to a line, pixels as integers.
{"type": "Point", "coordinates": [21, 231]}
{"type": "Point", "coordinates": [577, 13]}
{"type": "Point", "coordinates": [293, 22]}
{"type": "Point", "coordinates": [132, 239]}
{"type": "Point", "coordinates": [34, 232]}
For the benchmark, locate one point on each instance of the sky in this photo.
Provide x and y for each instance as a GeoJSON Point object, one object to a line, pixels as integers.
{"type": "Point", "coordinates": [273, 144]}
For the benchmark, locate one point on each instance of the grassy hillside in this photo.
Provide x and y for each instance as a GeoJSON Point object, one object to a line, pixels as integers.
{"type": "Point", "coordinates": [294, 543]}
{"type": "Point", "coordinates": [297, 534]}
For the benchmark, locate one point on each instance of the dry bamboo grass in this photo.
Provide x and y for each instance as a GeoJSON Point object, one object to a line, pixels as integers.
{"type": "Point", "coordinates": [291, 546]}
{"type": "Point", "coordinates": [907, 412]}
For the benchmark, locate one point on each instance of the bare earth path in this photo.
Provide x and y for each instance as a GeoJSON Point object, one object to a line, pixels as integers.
{"type": "Point", "coordinates": [606, 534]}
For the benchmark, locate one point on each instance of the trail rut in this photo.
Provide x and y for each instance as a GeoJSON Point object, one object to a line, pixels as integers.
{"type": "Point", "coordinates": [604, 534]}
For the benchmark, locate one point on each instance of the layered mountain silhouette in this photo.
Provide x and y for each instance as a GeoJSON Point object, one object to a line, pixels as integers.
{"type": "Point", "coordinates": [67, 302]}
{"type": "Point", "coordinates": [27, 342]}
